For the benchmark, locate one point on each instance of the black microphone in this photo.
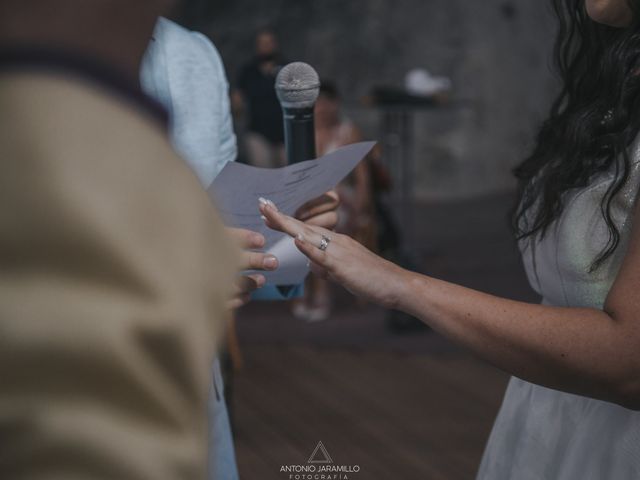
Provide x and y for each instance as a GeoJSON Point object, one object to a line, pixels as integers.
{"type": "Point", "coordinates": [298, 87]}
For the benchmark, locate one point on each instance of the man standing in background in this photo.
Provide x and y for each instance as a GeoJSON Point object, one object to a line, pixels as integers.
{"type": "Point", "coordinates": [115, 273]}
{"type": "Point", "coordinates": [264, 138]}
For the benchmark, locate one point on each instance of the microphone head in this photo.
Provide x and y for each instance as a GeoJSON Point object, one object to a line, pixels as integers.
{"type": "Point", "coordinates": [298, 86]}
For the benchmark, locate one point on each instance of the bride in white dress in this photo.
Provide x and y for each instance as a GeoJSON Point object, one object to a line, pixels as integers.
{"type": "Point", "coordinates": [571, 409]}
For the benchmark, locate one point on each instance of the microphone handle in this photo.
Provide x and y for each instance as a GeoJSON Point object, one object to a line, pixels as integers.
{"type": "Point", "coordinates": [299, 135]}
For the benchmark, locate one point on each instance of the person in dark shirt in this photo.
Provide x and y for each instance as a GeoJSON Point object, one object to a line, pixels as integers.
{"type": "Point", "coordinates": [255, 94]}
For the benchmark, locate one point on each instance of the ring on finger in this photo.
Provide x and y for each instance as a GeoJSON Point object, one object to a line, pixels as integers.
{"type": "Point", "coordinates": [324, 243]}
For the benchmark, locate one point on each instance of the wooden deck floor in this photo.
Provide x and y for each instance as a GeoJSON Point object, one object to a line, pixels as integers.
{"type": "Point", "coordinates": [397, 416]}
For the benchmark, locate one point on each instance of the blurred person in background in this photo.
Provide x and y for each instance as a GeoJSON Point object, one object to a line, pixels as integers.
{"type": "Point", "coordinates": [335, 130]}
{"type": "Point", "coordinates": [572, 407]}
{"type": "Point", "coordinates": [116, 272]}
{"type": "Point", "coordinates": [255, 96]}
{"type": "Point", "coordinates": [356, 213]}
{"type": "Point", "coordinates": [184, 72]}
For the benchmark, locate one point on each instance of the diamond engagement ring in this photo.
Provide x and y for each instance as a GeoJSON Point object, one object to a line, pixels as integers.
{"type": "Point", "coordinates": [324, 243]}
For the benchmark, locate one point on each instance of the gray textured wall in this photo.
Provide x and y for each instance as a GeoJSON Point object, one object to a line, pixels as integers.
{"type": "Point", "coordinates": [495, 51]}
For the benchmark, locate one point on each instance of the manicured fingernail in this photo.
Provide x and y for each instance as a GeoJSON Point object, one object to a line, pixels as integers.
{"type": "Point", "coordinates": [263, 201]}
{"type": "Point", "coordinates": [300, 237]}
{"type": "Point", "coordinates": [264, 219]}
{"type": "Point", "coordinates": [270, 262]}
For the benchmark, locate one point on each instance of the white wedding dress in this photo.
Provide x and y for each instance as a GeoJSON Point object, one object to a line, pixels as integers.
{"type": "Point", "coordinates": [545, 434]}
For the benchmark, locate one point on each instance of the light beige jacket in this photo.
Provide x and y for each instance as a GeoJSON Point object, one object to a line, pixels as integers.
{"type": "Point", "coordinates": [114, 274]}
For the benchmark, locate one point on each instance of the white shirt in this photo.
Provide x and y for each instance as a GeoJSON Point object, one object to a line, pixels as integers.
{"type": "Point", "coordinates": [184, 72]}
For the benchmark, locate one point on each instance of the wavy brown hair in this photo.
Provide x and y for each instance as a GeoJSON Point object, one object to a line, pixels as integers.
{"type": "Point", "coordinates": [592, 123]}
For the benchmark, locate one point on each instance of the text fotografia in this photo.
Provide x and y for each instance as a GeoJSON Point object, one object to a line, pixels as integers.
{"type": "Point", "coordinates": [319, 472]}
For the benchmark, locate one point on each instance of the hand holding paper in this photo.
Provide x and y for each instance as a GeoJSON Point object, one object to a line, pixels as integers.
{"type": "Point", "coordinates": [238, 187]}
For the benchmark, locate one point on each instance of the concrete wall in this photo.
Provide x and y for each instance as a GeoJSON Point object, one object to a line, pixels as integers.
{"type": "Point", "coordinates": [495, 51]}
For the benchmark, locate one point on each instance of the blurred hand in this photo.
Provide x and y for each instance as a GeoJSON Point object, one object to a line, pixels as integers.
{"type": "Point", "coordinates": [249, 260]}
{"type": "Point", "coordinates": [321, 212]}
{"type": "Point", "coordinates": [345, 261]}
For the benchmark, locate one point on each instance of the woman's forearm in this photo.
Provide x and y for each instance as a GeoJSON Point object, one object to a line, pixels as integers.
{"type": "Point", "coordinates": [579, 350]}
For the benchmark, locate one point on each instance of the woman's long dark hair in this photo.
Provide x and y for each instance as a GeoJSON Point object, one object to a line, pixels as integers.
{"type": "Point", "coordinates": [592, 123]}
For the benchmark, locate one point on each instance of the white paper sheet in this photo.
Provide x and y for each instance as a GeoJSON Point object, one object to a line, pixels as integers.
{"type": "Point", "coordinates": [238, 187]}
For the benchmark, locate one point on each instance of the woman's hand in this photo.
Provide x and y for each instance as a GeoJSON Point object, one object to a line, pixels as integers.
{"type": "Point", "coordinates": [249, 260]}
{"type": "Point", "coordinates": [344, 260]}
{"type": "Point", "coordinates": [320, 212]}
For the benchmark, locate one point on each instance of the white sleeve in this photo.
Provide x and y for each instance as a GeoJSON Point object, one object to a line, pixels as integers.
{"type": "Point", "coordinates": [198, 94]}
{"type": "Point", "coordinates": [228, 147]}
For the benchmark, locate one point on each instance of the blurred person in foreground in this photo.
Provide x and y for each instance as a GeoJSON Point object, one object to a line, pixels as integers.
{"type": "Point", "coordinates": [184, 71]}
{"type": "Point", "coordinates": [356, 213]}
{"type": "Point", "coordinates": [572, 408]}
{"type": "Point", "coordinates": [255, 95]}
{"type": "Point", "coordinates": [116, 272]}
